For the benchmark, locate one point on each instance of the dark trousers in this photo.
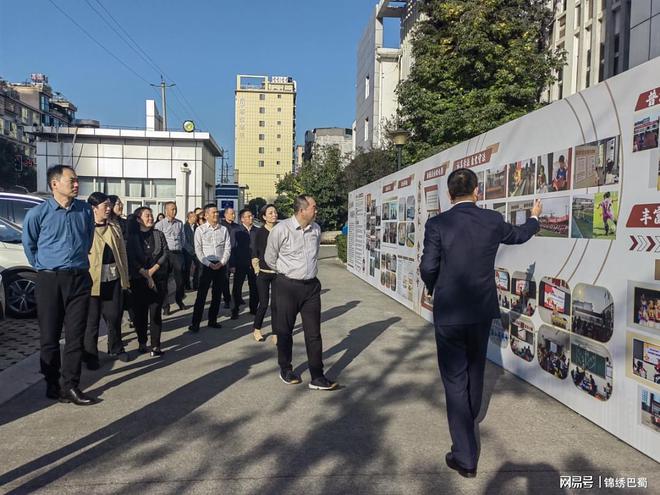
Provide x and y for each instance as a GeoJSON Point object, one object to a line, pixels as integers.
{"type": "Point", "coordinates": [147, 306]}
{"type": "Point", "coordinates": [264, 281]}
{"type": "Point", "coordinates": [239, 278]}
{"type": "Point", "coordinates": [62, 300]}
{"type": "Point", "coordinates": [176, 270]}
{"type": "Point", "coordinates": [292, 297]}
{"type": "Point", "coordinates": [224, 286]}
{"type": "Point", "coordinates": [109, 306]}
{"type": "Point", "coordinates": [462, 360]}
{"type": "Point", "coordinates": [208, 277]}
{"type": "Point", "coordinates": [188, 262]}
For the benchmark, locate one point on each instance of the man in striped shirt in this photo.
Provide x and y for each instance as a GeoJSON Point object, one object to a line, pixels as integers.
{"type": "Point", "coordinates": [212, 248]}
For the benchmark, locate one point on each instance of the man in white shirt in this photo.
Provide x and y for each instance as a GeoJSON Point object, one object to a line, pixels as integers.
{"type": "Point", "coordinates": [172, 227]}
{"type": "Point", "coordinates": [212, 248]}
{"type": "Point", "coordinates": [292, 250]}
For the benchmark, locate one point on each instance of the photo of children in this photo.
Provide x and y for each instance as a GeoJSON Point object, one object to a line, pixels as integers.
{"type": "Point", "coordinates": [555, 302]}
{"type": "Point", "coordinates": [552, 350]}
{"type": "Point", "coordinates": [496, 180]}
{"type": "Point", "coordinates": [503, 285]}
{"type": "Point", "coordinates": [592, 312]}
{"type": "Point", "coordinates": [523, 294]}
{"type": "Point", "coordinates": [499, 331]}
{"type": "Point", "coordinates": [649, 409]}
{"type": "Point", "coordinates": [521, 332]}
{"type": "Point", "coordinates": [521, 177]}
{"type": "Point", "coordinates": [591, 368]}
{"type": "Point", "coordinates": [606, 213]}
{"type": "Point", "coordinates": [645, 135]}
{"type": "Point", "coordinates": [554, 219]}
{"type": "Point", "coordinates": [410, 208]}
{"type": "Point", "coordinates": [597, 163]}
{"type": "Point", "coordinates": [644, 359]}
{"type": "Point", "coordinates": [582, 226]}
{"type": "Point", "coordinates": [646, 307]}
{"type": "Point", "coordinates": [554, 172]}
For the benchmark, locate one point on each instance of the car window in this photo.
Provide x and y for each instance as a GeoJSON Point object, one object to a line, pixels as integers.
{"type": "Point", "coordinates": [20, 210]}
{"type": "Point", "coordinates": [4, 210]}
{"type": "Point", "coordinates": [9, 234]}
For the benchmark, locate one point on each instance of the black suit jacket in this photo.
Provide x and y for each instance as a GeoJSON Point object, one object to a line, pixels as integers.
{"type": "Point", "coordinates": [241, 252]}
{"type": "Point", "coordinates": [458, 262]}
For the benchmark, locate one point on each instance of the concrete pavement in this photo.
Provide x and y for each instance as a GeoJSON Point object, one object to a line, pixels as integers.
{"type": "Point", "coordinates": [212, 416]}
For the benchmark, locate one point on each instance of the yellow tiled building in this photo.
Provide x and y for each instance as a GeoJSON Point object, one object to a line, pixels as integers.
{"type": "Point", "coordinates": [264, 132]}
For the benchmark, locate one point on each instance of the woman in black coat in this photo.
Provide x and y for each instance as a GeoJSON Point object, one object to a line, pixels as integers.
{"type": "Point", "coordinates": [265, 274]}
{"type": "Point", "coordinates": [147, 258]}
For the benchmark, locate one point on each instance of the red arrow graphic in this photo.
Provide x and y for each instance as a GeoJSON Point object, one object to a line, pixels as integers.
{"type": "Point", "coordinates": [634, 242]}
{"type": "Point", "coordinates": [652, 244]}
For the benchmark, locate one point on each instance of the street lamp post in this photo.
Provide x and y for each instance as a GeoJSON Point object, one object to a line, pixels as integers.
{"type": "Point", "coordinates": [400, 138]}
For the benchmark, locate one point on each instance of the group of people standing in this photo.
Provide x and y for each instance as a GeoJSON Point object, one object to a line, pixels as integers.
{"type": "Point", "coordinates": [92, 264]}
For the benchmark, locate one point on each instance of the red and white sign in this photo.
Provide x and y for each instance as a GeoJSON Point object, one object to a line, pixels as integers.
{"type": "Point", "coordinates": [648, 99]}
{"type": "Point", "coordinates": [389, 187]}
{"type": "Point", "coordinates": [405, 182]}
{"type": "Point", "coordinates": [474, 160]}
{"type": "Point", "coordinates": [436, 172]}
{"type": "Point", "coordinates": [645, 216]}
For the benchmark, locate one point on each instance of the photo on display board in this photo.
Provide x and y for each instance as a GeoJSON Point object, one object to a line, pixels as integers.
{"type": "Point", "coordinates": [368, 203]}
{"type": "Point", "coordinates": [591, 368]}
{"type": "Point", "coordinates": [393, 281]}
{"type": "Point", "coordinates": [555, 302]}
{"type": "Point", "coordinates": [410, 208]}
{"type": "Point", "coordinates": [392, 235]}
{"type": "Point", "coordinates": [410, 234]}
{"type": "Point", "coordinates": [597, 163]}
{"type": "Point", "coordinates": [432, 200]}
{"type": "Point", "coordinates": [372, 266]}
{"type": "Point", "coordinates": [592, 312]}
{"type": "Point", "coordinates": [552, 351]}
{"type": "Point", "coordinates": [393, 266]}
{"type": "Point", "coordinates": [499, 330]}
{"type": "Point", "coordinates": [377, 260]}
{"type": "Point", "coordinates": [402, 208]}
{"type": "Point", "coordinates": [496, 180]}
{"type": "Point", "coordinates": [401, 234]}
{"type": "Point", "coordinates": [521, 334]}
{"type": "Point", "coordinates": [500, 208]}
{"type": "Point", "coordinates": [644, 306]}
{"type": "Point", "coordinates": [582, 226]}
{"type": "Point", "coordinates": [520, 211]}
{"type": "Point", "coordinates": [645, 134]}
{"type": "Point", "coordinates": [643, 359]}
{"type": "Point", "coordinates": [386, 211]}
{"type": "Point", "coordinates": [394, 210]}
{"type": "Point", "coordinates": [554, 172]}
{"type": "Point", "coordinates": [606, 214]}
{"type": "Point", "coordinates": [503, 285]}
{"type": "Point", "coordinates": [481, 178]}
{"type": "Point", "coordinates": [426, 299]}
{"type": "Point", "coordinates": [523, 293]}
{"type": "Point", "coordinates": [521, 177]}
{"type": "Point", "coordinates": [553, 221]}
{"type": "Point", "coordinates": [649, 409]}
{"type": "Point", "coordinates": [657, 184]}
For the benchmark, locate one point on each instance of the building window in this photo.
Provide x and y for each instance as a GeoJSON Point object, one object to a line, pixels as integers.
{"type": "Point", "coordinates": [279, 122]}
{"type": "Point", "coordinates": [366, 87]}
{"type": "Point", "coordinates": [113, 186]}
{"type": "Point", "coordinates": [44, 104]}
{"type": "Point", "coordinates": [261, 163]}
{"type": "Point", "coordinates": [85, 186]}
{"type": "Point", "coordinates": [279, 149]}
{"type": "Point", "coordinates": [261, 150]}
{"type": "Point", "coordinates": [366, 129]}
{"type": "Point", "coordinates": [601, 62]}
{"type": "Point", "coordinates": [164, 188]}
{"type": "Point", "coordinates": [279, 109]}
{"type": "Point", "coordinates": [262, 123]}
{"type": "Point", "coordinates": [262, 97]}
{"type": "Point", "coordinates": [134, 188]}
{"type": "Point", "coordinates": [262, 137]}
{"type": "Point", "coordinates": [279, 136]}
{"type": "Point", "coordinates": [262, 110]}
{"type": "Point", "coordinates": [578, 16]}
{"type": "Point", "coordinates": [279, 97]}
{"type": "Point", "coordinates": [278, 162]}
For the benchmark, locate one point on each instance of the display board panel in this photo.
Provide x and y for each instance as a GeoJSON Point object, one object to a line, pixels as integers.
{"type": "Point", "coordinates": [581, 300]}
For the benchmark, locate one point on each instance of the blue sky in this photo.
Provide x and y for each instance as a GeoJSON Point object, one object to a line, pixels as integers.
{"type": "Point", "coordinates": [200, 45]}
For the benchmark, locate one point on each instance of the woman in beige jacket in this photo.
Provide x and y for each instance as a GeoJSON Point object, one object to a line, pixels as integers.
{"type": "Point", "coordinates": [108, 268]}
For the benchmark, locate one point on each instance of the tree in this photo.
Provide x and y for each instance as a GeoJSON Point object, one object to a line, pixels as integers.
{"type": "Point", "coordinates": [368, 166]}
{"type": "Point", "coordinates": [256, 204]}
{"type": "Point", "coordinates": [477, 65]}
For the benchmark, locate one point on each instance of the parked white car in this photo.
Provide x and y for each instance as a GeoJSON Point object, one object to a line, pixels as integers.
{"type": "Point", "coordinates": [18, 277]}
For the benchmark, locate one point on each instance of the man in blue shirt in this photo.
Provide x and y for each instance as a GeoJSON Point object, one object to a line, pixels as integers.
{"type": "Point", "coordinates": [57, 237]}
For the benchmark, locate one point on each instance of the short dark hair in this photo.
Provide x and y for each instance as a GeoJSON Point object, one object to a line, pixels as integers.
{"type": "Point", "coordinates": [461, 182]}
{"type": "Point", "coordinates": [96, 198]}
{"type": "Point", "coordinates": [243, 212]}
{"type": "Point", "coordinates": [167, 203]}
{"type": "Point", "coordinates": [301, 202]}
{"type": "Point", "coordinates": [113, 199]}
{"type": "Point", "coordinates": [264, 209]}
{"type": "Point", "coordinates": [209, 205]}
{"type": "Point", "coordinates": [55, 172]}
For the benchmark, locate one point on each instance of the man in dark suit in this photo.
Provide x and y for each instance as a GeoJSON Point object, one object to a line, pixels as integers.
{"type": "Point", "coordinates": [228, 217]}
{"type": "Point", "coordinates": [189, 249]}
{"type": "Point", "coordinates": [458, 266]}
{"type": "Point", "coordinates": [241, 263]}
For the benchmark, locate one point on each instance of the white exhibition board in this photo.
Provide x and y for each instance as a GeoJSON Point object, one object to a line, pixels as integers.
{"type": "Point", "coordinates": [580, 301]}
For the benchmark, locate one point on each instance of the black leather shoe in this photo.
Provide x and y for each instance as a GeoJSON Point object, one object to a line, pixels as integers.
{"type": "Point", "coordinates": [182, 307]}
{"type": "Point", "coordinates": [75, 396]}
{"type": "Point", "coordinates": [466, 473]}
{"type": "Point", "coordinates": [234, 315]}
{"type": "Point", "coordinates": [53, 391]}
{"type": "Point", "coordinates": [166, 310]}
{"type": "Point", "coordinates": [193, 329]}
{"type": "Point", "coordinates": [214, 324]}
{"type": "Point", "coordinates": [93, 364]}
{"type": "Point", "coordinates": [142, 349]}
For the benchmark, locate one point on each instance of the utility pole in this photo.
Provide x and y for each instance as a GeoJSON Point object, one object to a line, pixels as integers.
{"type": "Point", "coordinates": [163, 101]}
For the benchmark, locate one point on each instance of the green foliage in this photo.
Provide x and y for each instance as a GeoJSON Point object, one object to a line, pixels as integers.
{"type": "Point", "coordinates": [477, 65]}
{"type": "Point", "coordinates": [284, 205]}
{"type": "Point", "coordinates": [369, 166]}
{"type": "Point", "coordinates": [341, 242]}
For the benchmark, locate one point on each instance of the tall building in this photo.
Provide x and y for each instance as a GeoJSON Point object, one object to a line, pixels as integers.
{"type": "Point", "coordinates": [26, 106]}
{"type": "Point", "coordinates": [264, 132]}
{"type": "Point", "coordinates": [380, 69]}
{"type": "Point", "coordinates": [644, 31]}
{"type": "Point", "coordinates": [147, 166]}
{"type": "Point", "coordinates": [299, 158]}
{"type": "Point", "coordinates": [328, 136]}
